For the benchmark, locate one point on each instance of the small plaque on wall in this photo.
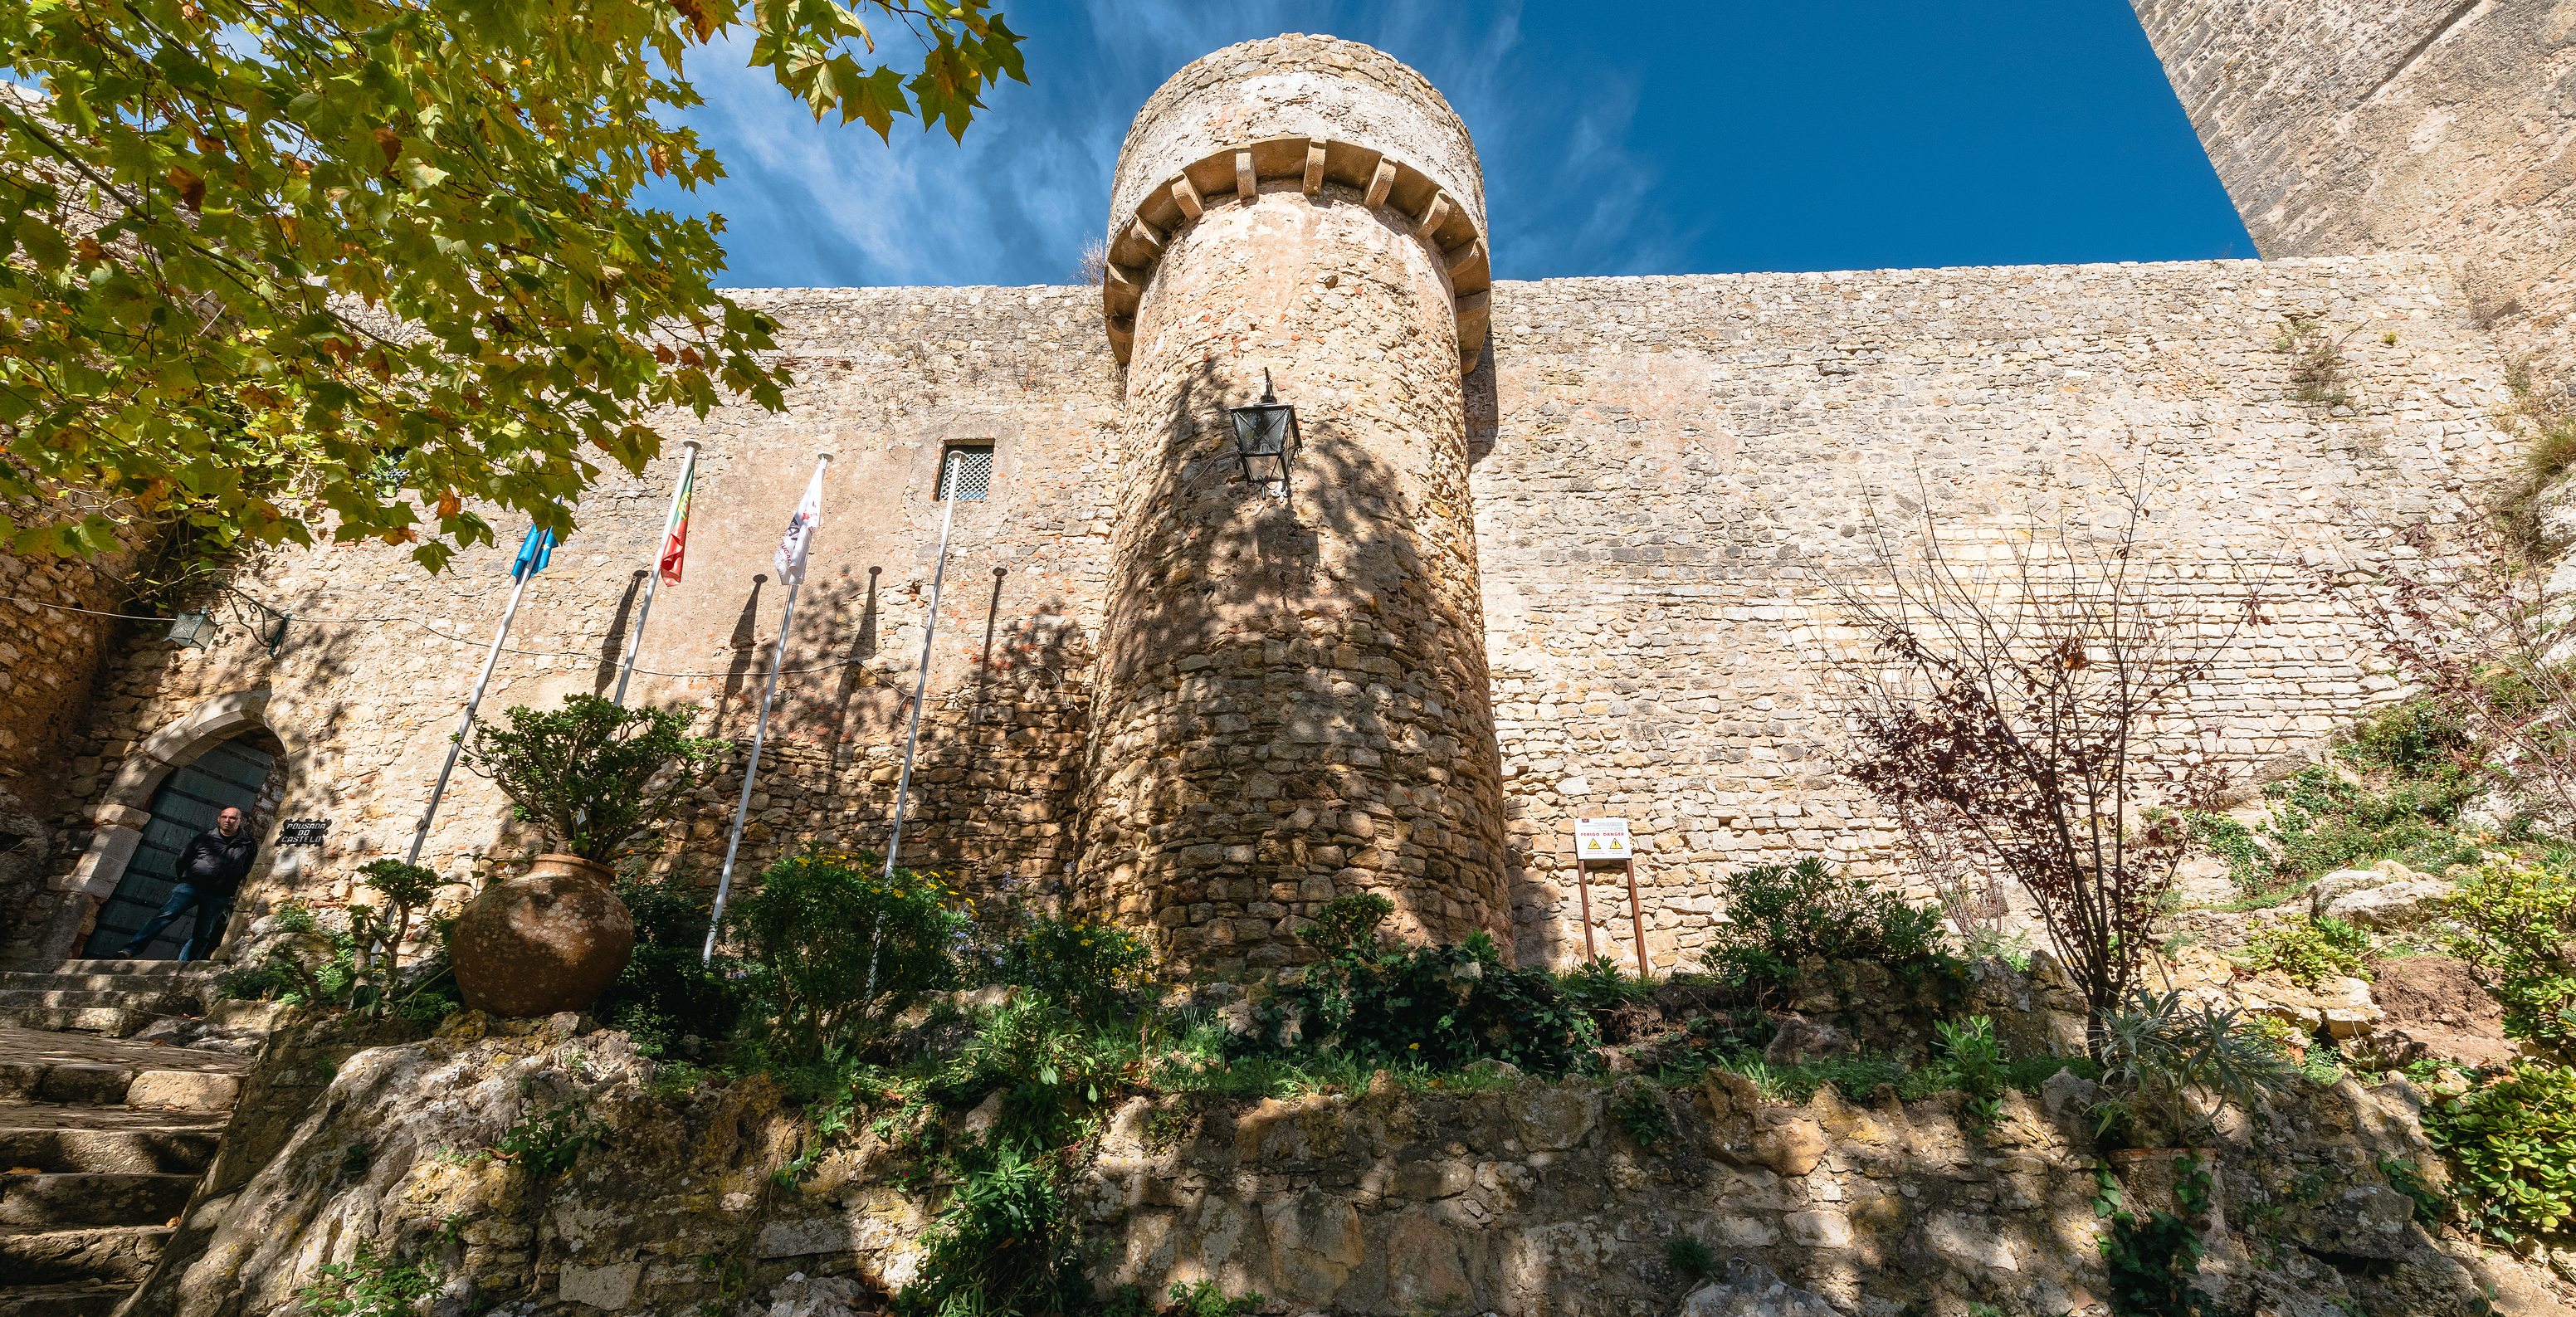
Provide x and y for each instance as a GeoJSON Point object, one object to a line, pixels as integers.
{"type": "Point", "coordinates": [303, 832]}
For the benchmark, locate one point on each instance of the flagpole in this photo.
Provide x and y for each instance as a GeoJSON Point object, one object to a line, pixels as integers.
{"type": "Point", "coordinates": [653, 571]}
{"type": "Point", "coordinates": [465, 724]}
{"type": "Point", "coordinates": [912, 737]}
{"type": "Point", "coordinates": [920, 685]}
{"type": "Point", "coordinates": [759, 733]}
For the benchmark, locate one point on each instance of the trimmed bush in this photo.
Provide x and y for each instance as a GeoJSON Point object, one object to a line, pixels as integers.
{"type": "Point", "coordinates": [1781, 914]}
{"type": "Point", "coordinates": [834, 951]}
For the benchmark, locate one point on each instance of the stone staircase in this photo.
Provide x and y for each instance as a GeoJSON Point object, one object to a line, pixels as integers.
{"type": "Point", "coordinates": [116, 1086]}
{"type": "Point", "coordinates": [118, 998]}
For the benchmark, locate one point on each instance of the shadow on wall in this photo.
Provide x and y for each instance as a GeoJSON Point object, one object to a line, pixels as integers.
{"type": "Point", "coordinates": [612, 647]}
{"type": "Point", "coordinates": [1345, 565]}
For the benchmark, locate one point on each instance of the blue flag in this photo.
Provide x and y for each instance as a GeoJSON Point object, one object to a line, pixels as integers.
{"type": "Point", "coordinates": [533, 552]}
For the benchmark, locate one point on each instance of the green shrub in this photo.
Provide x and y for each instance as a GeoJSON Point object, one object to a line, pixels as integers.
{"type": "Point", "coordinates": [1347, 925]}
{"type": "Point", "coordinates": [1090, 968]}
{"type": "Point", "coordinates": [2309, 948]}
{"type": "Point", "coordinates": [1640, 1111]}
{"type": "Point", "coordinates": [2516, 921]}
{"type": "Point", "coordinates": [369, 1284]}
{"type": "Point", "coordinates": [2151, 1259]}
{"type": "Point", "coordinates": [2512, 1145]}
{"type": "Point", "coordinates": [594, 773]}
{"type": "Point", "coordinates": [834, 951]}
{"type": "Point", "coordinates": [2393, 793]}
{"type": "Point", "coordinates": [1436, 1008]}
{"type": "Point", "coordinates": [2155, 1054]}
{"type": "Point", "coordinates": [552, 1141]}
{"type": "Point", "coordinates": [1690, 1259]}
{"type": "Point", "coordinates": [1972, 1062]}
{"type": "Point", "coordinates": [1204, 1299]}
{"type": "Point", "coordinates": [1007, 1242]}
{"type": "Point", "coordinates": [1780, 914]}
{"type": "Point", "coordinates": [1050, 1067]}
{"type": "Point", "coordinates": [667, 991]}
{"type": "Point", "coordinates": [1599, 984]}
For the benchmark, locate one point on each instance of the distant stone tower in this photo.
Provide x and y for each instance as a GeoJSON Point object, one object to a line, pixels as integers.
{"type": "Point", "coordinates": [2438, 126]}
{"type": "Point", "coordinates": [1291, 699]}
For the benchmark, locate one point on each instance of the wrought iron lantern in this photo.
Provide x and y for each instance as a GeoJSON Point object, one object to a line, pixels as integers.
{"type": "Point", "coordinates": [192, 630]}
{"type": "Point", "coordinates": [1265, 437]}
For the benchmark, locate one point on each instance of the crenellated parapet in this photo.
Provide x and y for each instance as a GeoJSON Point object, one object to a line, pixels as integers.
{"type": "Point", "coordinates": [1332, 116]}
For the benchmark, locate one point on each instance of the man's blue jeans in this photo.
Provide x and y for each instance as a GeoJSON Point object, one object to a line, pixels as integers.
{"type": "Point", "coordinates": [212, 912]}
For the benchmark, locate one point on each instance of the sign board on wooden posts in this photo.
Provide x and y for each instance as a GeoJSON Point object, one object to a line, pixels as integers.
{"type": "Point", "coordinates": [1599, 840]}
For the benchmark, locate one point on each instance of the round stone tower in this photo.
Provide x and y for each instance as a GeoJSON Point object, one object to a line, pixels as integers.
{"type": "Point", "coordinates": [1291, 702]}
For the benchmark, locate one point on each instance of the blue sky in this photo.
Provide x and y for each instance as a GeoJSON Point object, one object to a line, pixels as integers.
{"type": "Point", "coordinates": [1640, 139]}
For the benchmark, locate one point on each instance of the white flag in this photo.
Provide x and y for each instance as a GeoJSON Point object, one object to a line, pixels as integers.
{"type": "Point", "coordinates": [799, 538]}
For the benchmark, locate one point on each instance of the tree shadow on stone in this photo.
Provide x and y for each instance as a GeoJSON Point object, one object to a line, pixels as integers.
{"type": "Point", "coordinates": [1322, 711]}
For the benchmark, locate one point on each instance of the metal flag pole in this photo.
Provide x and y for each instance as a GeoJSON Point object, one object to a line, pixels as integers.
{"type": "Point", "coordinates": [759, 733]}
{"type": "Point", "coordinates": [653, 570]}
{"type": "Point", "coordinates": [920, 688]}
{"type": "Point", "coordinates": [912, 737]}
{"type": "Point", "coordinates": [465, 724]}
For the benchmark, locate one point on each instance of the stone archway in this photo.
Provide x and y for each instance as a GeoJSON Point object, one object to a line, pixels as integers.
{"type": "Point", "coordinates": [122, 810]}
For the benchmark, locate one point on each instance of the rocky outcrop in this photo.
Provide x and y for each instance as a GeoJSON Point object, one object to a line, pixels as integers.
{"type": "Point", "coordinates": [1523, 1197]}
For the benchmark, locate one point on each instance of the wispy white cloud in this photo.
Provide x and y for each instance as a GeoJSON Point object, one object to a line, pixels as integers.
{"type": "Point", "coordinates": [823, 204]}
{"type": "Point", "coordinates": [1695, 135]}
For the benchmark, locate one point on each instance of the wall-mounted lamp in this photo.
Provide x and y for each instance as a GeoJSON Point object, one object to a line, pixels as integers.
{"type": "Point", "coordinates": [192, 630]}
{"type": "Point", "coordinates": [1265, 437]}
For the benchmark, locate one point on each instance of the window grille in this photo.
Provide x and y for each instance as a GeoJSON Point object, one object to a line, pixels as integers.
{"type": "Point", "coordinates": [966, 473]}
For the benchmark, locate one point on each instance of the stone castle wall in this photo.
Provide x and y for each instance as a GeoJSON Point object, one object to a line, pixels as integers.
{"type": "Point", "coordinates": [1673, 470]}
{"type": "Point", "coordinates": [1661, 471]}
{"type": "Point", "coordinates": [366, 688]}
{"type": "Point", "coordinates": [2347, 127]}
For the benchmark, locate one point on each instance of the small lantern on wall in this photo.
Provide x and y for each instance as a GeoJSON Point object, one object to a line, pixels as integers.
{"type": "Point", "coordinates": [192, 630]}
{"type": "Point", "coordinates": [1265, 437]}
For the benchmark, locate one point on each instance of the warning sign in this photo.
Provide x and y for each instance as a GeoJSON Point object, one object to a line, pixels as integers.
{"type": "Point", "coordinates": [1600, 839]}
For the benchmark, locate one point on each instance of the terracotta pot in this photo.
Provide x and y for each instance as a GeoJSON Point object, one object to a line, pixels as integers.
{"type": "Point", "coordinates": [549, 941]}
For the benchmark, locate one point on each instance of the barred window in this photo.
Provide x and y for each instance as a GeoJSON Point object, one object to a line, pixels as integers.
{"type": "Point", "coordinates": [966, 472]}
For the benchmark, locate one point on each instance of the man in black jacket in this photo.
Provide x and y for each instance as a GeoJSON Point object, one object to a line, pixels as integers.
{"type": "Point", "coordinates": [211, 870]}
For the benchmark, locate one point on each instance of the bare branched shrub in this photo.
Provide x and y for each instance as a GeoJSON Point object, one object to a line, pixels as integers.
{"type": "Point", "coordinates": [1094, 264]}
{"type": "Point", "coordinates": [2021, 709]}
{"type": "Point", "coordinates": [2473, 624]}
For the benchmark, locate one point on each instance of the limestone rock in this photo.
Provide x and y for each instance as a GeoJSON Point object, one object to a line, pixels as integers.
{"type": "Point", "coordinates": [1754, 1291]}
{"type": "Point", "coordinates": [1801, 1040]}
{"type": "Point", "coordinates": [2343, 882]}
{"type": "Point", "coordinates": [826, 1296]}
{"type": "Point", "coordinates": [2396, 905]}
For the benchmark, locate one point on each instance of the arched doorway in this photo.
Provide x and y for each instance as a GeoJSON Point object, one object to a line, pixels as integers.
{"type": "Point", "coordinates": [230, 774]}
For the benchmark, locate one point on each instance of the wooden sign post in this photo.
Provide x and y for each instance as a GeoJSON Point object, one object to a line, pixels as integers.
{"type": "Point", "coordinates": [1605, 841]}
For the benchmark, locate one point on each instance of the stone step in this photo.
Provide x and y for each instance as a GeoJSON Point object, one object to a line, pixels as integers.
{"type": "Point", "coordinates": [98, 1084]}
{"type": "Point", "coordinates": [110, 1140]}
{"type": "Point", "coordinates": [40, 1066]}
{"type": "Point", "coordinates": [62, 1300]}
{"type": "Point", "coordinates": [114, 1254]}
{"type": "Point", "coordinates": [128, 983]}
{"type": "Point", "coordinates": [162, 1003]}
{"type": "Point", "coordinates": [112, 1021]}
{"type": "Point", "coordinates": [145, 968]}
{"type": "Point", "coordinates": [90, 1198]}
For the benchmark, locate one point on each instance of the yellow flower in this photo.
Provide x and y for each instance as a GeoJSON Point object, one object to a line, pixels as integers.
{"type": "Point", "coordinates": [1414, 1046]}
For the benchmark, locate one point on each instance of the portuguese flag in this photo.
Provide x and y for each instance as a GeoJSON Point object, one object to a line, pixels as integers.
{"type": "Point", "coordinates": [675, 536]}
